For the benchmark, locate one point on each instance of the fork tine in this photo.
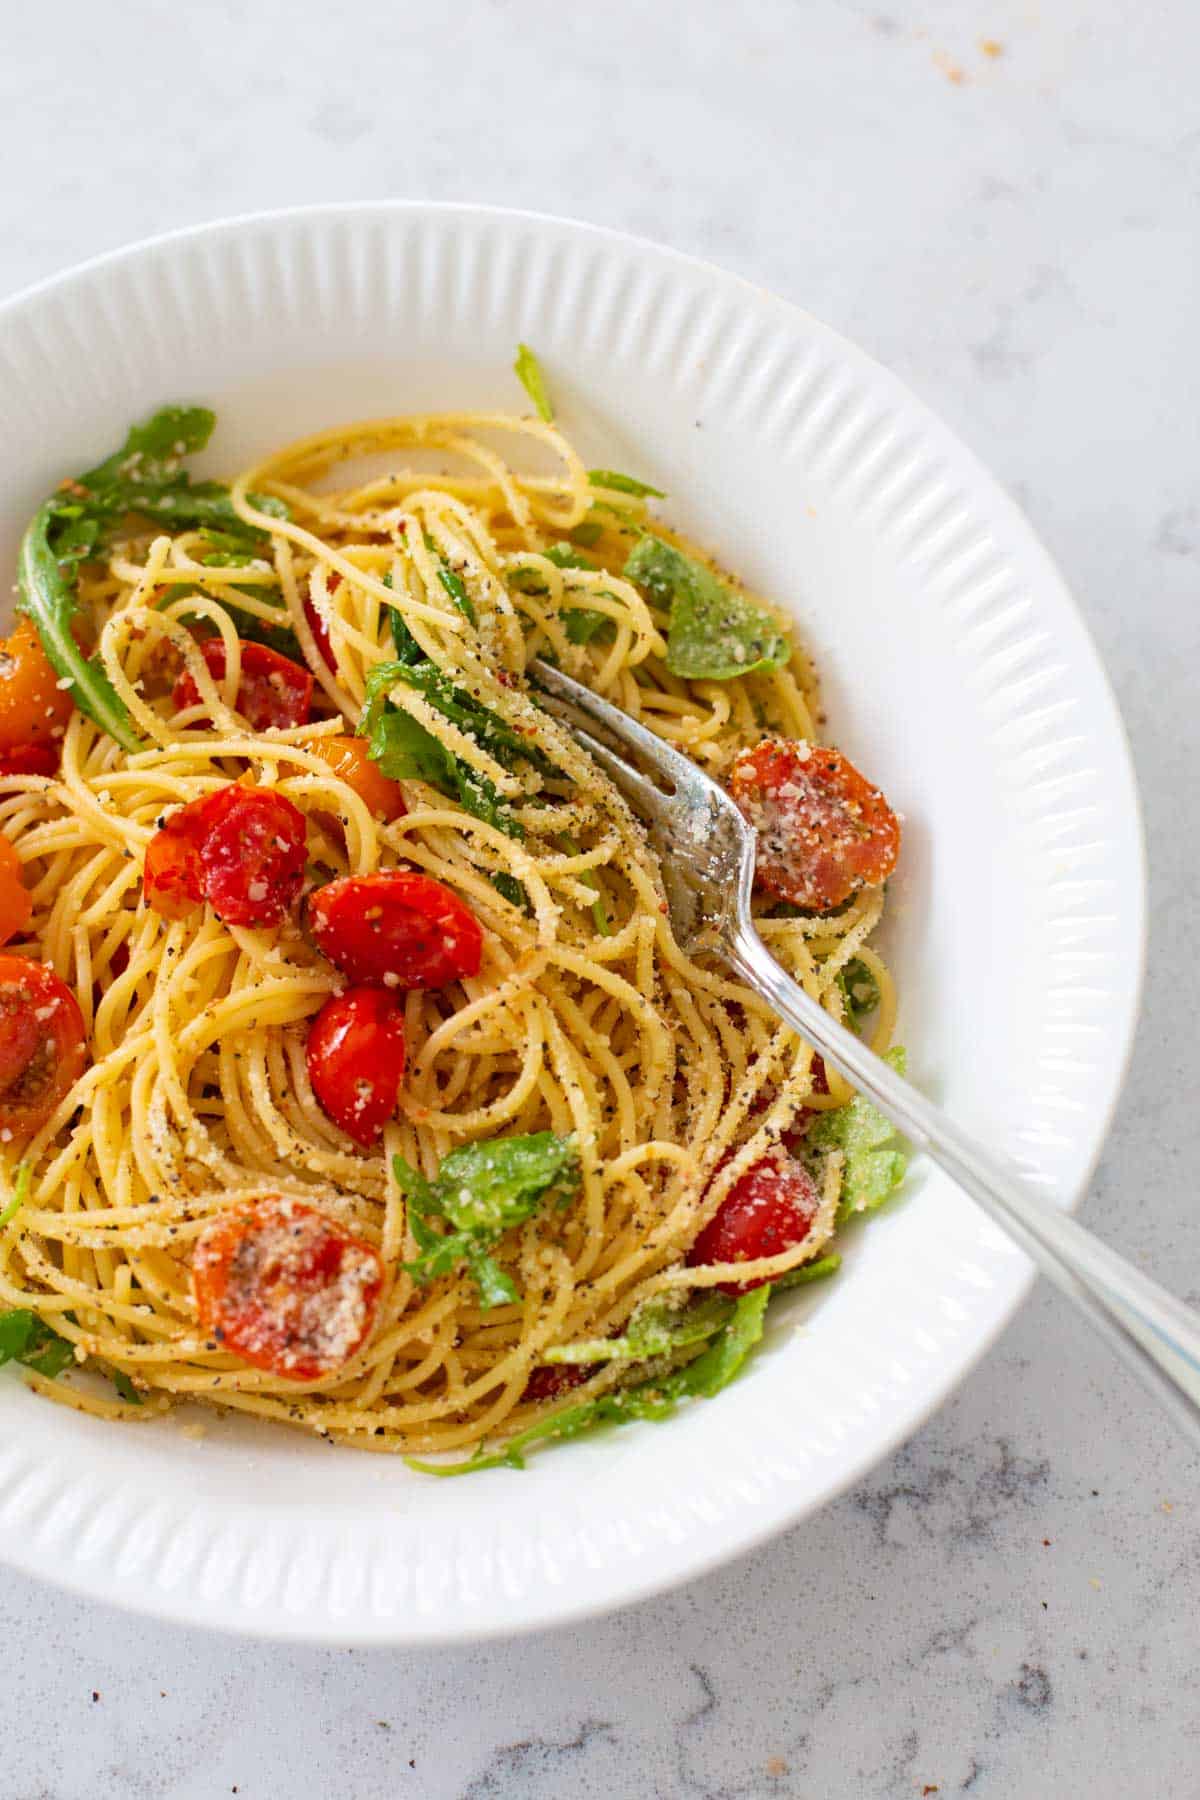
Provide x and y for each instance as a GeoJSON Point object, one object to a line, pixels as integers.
{"type": "Point", "coordinates": [668, 762]}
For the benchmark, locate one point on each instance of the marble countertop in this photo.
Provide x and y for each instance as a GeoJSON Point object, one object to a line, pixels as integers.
{"type": "Point", "coordinates": [1001, 200]}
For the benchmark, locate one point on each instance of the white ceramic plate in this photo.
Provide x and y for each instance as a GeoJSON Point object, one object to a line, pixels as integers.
{"type": "Point", "coordinates": [958, 672]}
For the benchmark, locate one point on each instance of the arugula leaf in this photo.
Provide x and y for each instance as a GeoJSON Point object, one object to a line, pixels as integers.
{"type": "Point", "coordinates": [712, 1370]}
{"type": "Point", "coordinates": [581, 623]}
{"type": "Point", "coordinates": [623, 484]}
{"type": "Point", "coordinates": [124, 1386]}
{"type": "Point", "coordinates": [528, 371]}
{"type": "Point", "coordinates": [405, 751]}
{"type": "Point", "coordinates": [27, 1339]}
{"type": "Point", "coordinates": [820, 1270]}
{"type": "Point", "coordinates": [143, 476]}
{"type": "Point", "coordinates": [20, 1193]}
{"type": "Point", "coordinates": [713, 633]}
{"type": "Point", "coordinates": [481, 1191]}
{"type": "Point", "coordinates": [456, 587]}
{"type": "Point", "coordinates": [860, 1131]}
{"type": "Point", "coordinates": [655, 1328]}
{"type": "Point", "coordinates": [860, 990]}
{"type": "Point", "coordinates": [462, 709]}
{"type": "Point", "coordinates": [563, 557]}
{"type": "Point", "coordinates": [598, 909]}
{"type": "Point", "coordinates": [510, 889]}
{"type": "Point", "coordinates": [587, 533]}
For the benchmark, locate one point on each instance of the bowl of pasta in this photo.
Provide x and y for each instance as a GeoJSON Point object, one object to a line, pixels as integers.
{"type": "Point", "coordinates": [357, 1093]}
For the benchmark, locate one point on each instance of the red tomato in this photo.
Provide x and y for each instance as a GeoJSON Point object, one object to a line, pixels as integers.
{"type": "Point", "coordinates": [551, 1380]}
{"type": "Point", "coordinates": [32, 759]}
{"type": "Point", "coordinates": [317, 625]}
{"type": "Point", "coordinates": [16, 907]}
{"type": "Point", "coordinates": [770, 1209]}
{"type": "Point", "coordinates": [823, 830]}
{"type": "Point", "coordinates": [396, 924]}
{"type": "Point", "coordinates": [355, 1058]}
{"type": "Point", "coordinates": [350, 758]}
{"type": "Point", "coordinates": [241, 849]}
{"type": "Point", "coordinates": [43, 1045]}
{"type": "Point", "coordinates": [285, 1287]}
{"type": "Point", "coordinates": [172, 874]}
{"type": "Point", "coordinates": [272, 690]}
{"type": "Point", "coordinates": [320, 631]}
{"type": "Point", "coordinates": [252, 855]}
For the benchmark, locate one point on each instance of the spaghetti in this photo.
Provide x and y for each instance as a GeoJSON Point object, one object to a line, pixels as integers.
{"type": "Point", "coordinates": [468, 544]}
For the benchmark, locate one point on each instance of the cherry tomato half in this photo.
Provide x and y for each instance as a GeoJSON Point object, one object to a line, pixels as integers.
{"type": "Point", "coordinates": [396, 924]}
{"type": "Point", "coordinates": [272, 690]}
{"type": "Point", "coordinates": [285, 1287]}
{"type": "Point", "coordinates": [770, 1209]}
{"type": "Point", "coordinates": [823, 830]}
{"type": "Point", "coordinates": [32, 759]}
{"type": "Point", "coordinates": [355, 1055]}
{"type": "Point", "coordinates": [43, 1045]}
{"type": "Point", "coordinates": [550, 1381]}
{"type": "Point", "coordinates": [33, 708]}
{"type": "Point", "coordinates": [241, 849]}
{"type": "Point", "coordinates": [320, 631]}
{"type": "Point", "coordinates": [349, 758]}
{"type": "Point", "coordinates": [16, 907]}
{"type": "Point", "coordinates": [172, 874]}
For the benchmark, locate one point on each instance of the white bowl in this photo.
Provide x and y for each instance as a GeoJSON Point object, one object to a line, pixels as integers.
{"type": "Point", "coordinates": [957, 671]}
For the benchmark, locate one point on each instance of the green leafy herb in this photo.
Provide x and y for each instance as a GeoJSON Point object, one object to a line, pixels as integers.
{"type": "Point", "coordinates": [124, 1387]}
{"type": "Point", "coordinates": [20, 1194]}
{"type": "Point", "coordinates": [510, 889]}
{"type": "Point", "coordinates": [490, 732]}
{"type": "Point", "coordinates": [143, 477]}
{"type": "Point", "coordinates": [27, 1339]}
{"type": "Point", "coordinates": [405, 751]}
{"type": "Point", "coordinates": [598, 909]}
{"type": "Point", "coordinates": [528, 371]}
{"type": "Point", "coordinates": [712, 1370]}
{"type": "Point", "coordinates": [819, 1270]}
{"type": "Point", "coordinates": [588, 532]}
{"type": "Point", "coordinates": [713, 633]}
{"type": "Point", "coordinates": [655, 1328]}
{"type": "Point", "coordinates": [623, 484]}
{"type": "Point", "coordinates": [581, 623]}
{"type": "Point", "coordinates": [563, 557]}
{"type": "Point", "coordinates": [456, 587]}
{"type": "Point", "coordinates": [860, 1131]}
{"type": "Point", "coordinates": [860, 990]}
{"type": "Point", "coordinates": [480, 1192]}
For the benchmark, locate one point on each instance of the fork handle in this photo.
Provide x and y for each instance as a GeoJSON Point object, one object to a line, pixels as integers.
{"type": "Point", "coordinates": [1154, 1333]}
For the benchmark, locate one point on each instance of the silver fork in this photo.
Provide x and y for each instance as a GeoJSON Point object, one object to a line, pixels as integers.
{"type": "Point", "coordinates": [707, 851]}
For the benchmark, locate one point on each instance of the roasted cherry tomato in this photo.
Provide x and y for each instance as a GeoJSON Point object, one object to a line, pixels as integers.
{"type": "Point", "coordinates": [33, 708]}
{"type": "Point", "coordinates": [320, 631]}
{"type": "Point", "coordinates": [16, 907]}
{"type": "Point", "coordinates": [172, 874]}
{"type": "Point", "coordinates": [355, 1055]}
{"type": "Point", "coordinates": [241, 849]}
{"type": "Point", "coordinates": [32, 759]}
{"type": "Point", "coordinates": [549, 1381]}
{"type": "Point", "coordinates": [272, 690]}
{"type": "Point", "coordinates": [823, 830]}
{"type": "Point", "coordinates": [349, 758]}
{"type": "Point", "coordinates": [770, 1209]}
{"type": "Point", "coordinates": [317, 625]}
{"type": "Point", "coordinates": [398, 927]}
{"type": "Point", "coordinates": [285, 1287]}
{"type": "Point", "coordinates": [43, 1045]}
